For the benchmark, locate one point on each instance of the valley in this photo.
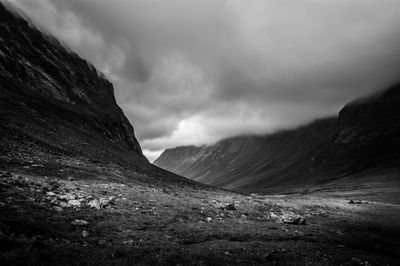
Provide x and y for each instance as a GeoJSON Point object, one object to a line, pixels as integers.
{"type": "Point", "coordinates": [146, 221]}
{"type": "Point", "coordinates": [76, 188]}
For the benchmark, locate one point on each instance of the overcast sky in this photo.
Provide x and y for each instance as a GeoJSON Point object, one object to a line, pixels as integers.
{"type": "Point", "coordinates": [195, 71]}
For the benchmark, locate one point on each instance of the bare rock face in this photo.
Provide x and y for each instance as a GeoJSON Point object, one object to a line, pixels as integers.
{"type": "Point", "coordinates": [54, 102]}
{"type": "Point", "coordinates": [365, 137]}
{"type": "Point", "coordinates": [369, 129]}
{"type": "Point", "coordinates": [371, 119]}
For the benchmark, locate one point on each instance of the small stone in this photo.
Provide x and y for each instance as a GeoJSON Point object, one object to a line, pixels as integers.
{"type": "Point", "coordinates": [94, 204]}
{"type": "Point", "coordinates": [85, 234]}
{"type": "Point", "coordinates": [59, 209]}
{"type": "Point", "coordinates": [63, 197]}
{"type": "Point", "coordinates": [208, 219]}
{"type": "Point", "coordinates": [111, 199]}
{"type": "Point", "coordinates": [9, 199]}
{"type": "Point", "coordinates": [298, 221]}
{"type": "Point", "coordinates": [104, 202]}
{"type": "Point", "coordinates": [64, 205]}
{"type": "Point", "coordinates": [79, 222]}
{"type": "Point", "coordinates": [229, 207]}
{"type": "Point", "coordinates": [50, 193]}
{"type": "Point", "coordinates": [71, 196]}
{"type": "Point", "coordinates": [129, 242]}
{"type": "Point", "coordinates": [70, 178]}
{"type": "Point", "coordinates": [74, 203]}
{"type": "Point", "coordinates": [102, 242]}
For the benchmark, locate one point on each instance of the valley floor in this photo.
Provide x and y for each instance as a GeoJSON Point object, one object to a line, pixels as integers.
{"type": "Point", "coordinates": [77, 213]}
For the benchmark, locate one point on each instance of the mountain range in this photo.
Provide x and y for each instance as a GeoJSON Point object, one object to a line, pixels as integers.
{"type": "Point", "coordinates": [76, 189]}
{"type": "Point", "coordinates": [363, 139]}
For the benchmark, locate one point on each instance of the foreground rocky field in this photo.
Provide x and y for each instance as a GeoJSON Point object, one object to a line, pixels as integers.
{"type": "Point", "coordinates": [79, 213]}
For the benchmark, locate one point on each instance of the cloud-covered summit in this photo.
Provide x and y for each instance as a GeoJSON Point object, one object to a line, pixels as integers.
{"type": "Point", "coordinates": [195, 71]}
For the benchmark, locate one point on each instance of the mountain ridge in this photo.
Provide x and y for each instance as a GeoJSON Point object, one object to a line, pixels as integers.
{"type": "Point", "coordinates": [363, 137]}
{"type": "Point", "coordinates": [53, 102]}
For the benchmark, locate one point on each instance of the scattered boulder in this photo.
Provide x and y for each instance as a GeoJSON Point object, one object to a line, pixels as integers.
{"type": "Point", "coordinates": [74, 203]}
{"type": "Point", "coordinates": [70, 178]}
{"type": "Point", "coordinates": [229, 207]}
{"type": "Point", "coordinates": [298, 221]}
{"type": "Point", "coordinates": [57, 208]}
{"type": "Point", "coordinates": [94, 204]}
{"type": "Point", "coordinates": [101, 203]}
{"type": "Point", "coordinates": [104, 202]}
{"type": "Point", "coordinates": [79, 222]}
{"type": "Point", "coordinates": [357, 202]}
{"type": "Point", "coordinates": [85, 234]}
{"type": "Point", "coordinates": [128, 242]}
{"type": "Point", "coordinates": [288, 217]}
{"type": "Point", "coordinates": [102, 242]}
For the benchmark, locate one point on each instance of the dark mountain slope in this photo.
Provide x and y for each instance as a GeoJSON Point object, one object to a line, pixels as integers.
{"type": "Point", "coordinates": [240, 162]}
{"type": "Point", "coordinates": [365, 137]}
{"type": "Point", "coordinates": [52, 97]}
{"type": "Point", "coordinates": [56, 105]}
{"type": "Point", "coordinates": [369, 130]}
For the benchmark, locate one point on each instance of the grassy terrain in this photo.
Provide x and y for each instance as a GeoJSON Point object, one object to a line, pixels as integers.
{"type": "Point", "coordinates": [151, 221]}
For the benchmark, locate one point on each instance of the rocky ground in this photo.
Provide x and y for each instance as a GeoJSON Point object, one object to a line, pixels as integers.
{"type": "Point", "coordinates": [71, 212]}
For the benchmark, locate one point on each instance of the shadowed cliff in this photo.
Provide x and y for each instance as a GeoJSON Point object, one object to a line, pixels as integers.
{"type": "Point", "coordinates": [56, 106]}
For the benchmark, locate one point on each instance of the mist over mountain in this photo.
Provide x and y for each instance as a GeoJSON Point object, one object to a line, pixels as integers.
{"type": "Point", "coordinates": [194, 72]}
{"type": "Point", "coordinates": [363, 138]}
{"type": "Point", "coordinates": [76, 188]}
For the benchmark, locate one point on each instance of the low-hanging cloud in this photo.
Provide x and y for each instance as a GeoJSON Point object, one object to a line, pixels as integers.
{"type": "Point", "coordinates": [195, 71]}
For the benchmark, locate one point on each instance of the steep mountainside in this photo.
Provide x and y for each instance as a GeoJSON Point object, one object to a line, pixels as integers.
{"type": "Point", "coordinates": [55, 105]}
{"type": "Point", "coordinates": [52, 101]}
{"type": "Point", "coordinates": [365, 137]}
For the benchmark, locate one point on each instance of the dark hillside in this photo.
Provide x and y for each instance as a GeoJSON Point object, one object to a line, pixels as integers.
{"type": "Point", "coordinates": [55, 101]}
{"type": "Point", "coordinates": [364, 138]}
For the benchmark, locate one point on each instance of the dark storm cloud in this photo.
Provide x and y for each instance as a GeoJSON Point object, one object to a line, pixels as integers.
{"type": "Point", "coordinates": [192, 72]}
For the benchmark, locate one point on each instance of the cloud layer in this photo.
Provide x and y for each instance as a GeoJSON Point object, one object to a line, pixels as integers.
{"type": "Point", "coordinates": [195, 71]}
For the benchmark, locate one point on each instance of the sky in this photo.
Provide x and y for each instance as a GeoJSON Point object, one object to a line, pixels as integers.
{"type": "Point", "coordinates": [191, 72]}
